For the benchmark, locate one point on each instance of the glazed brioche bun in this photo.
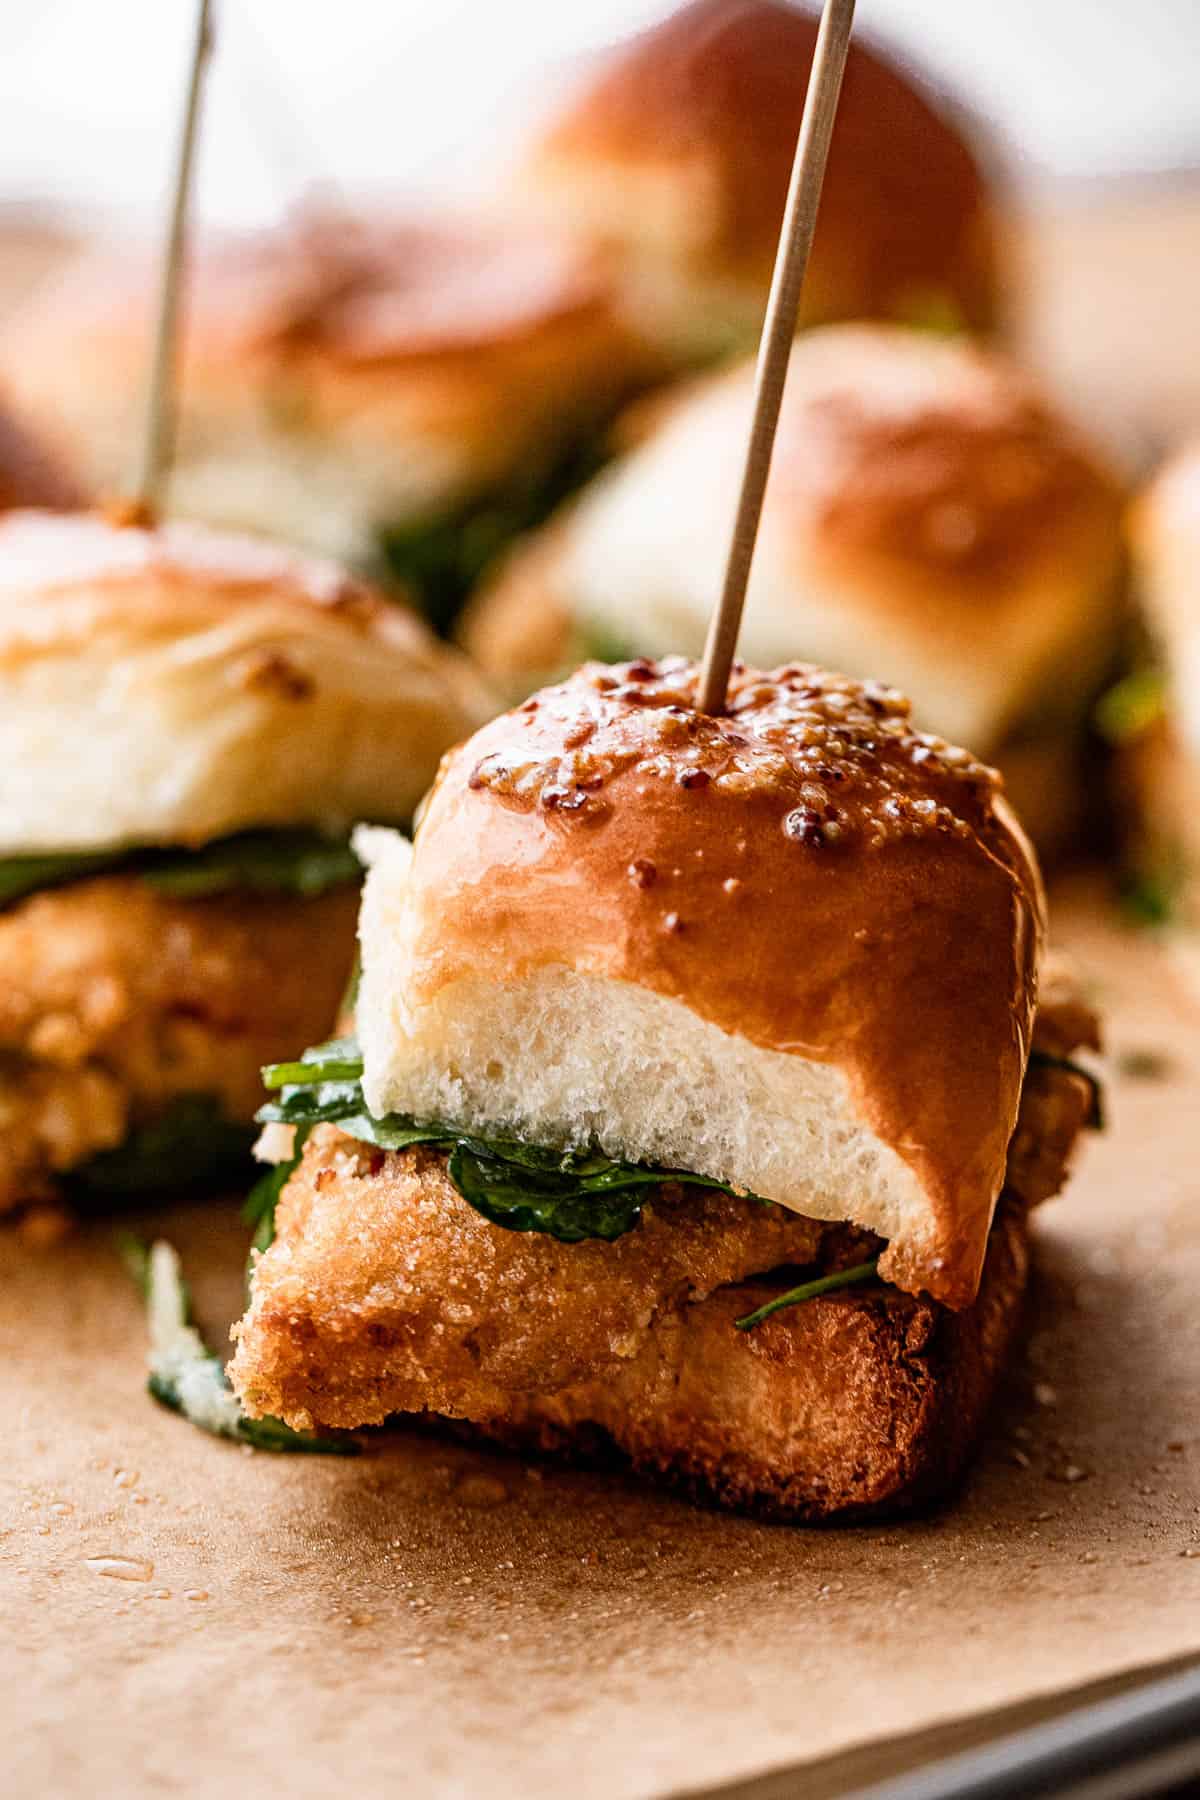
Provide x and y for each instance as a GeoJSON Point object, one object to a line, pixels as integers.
{"type": "Point", "coordinates": [793, 948]}
{"type": "Point", "coordinates": [927, 511]}
{"type": "Point", "coordinates": [338, 376]}
{"type": "Point", "coordinates": [675, 153]}
{"type": "Point", "coordinates": [170, 686]}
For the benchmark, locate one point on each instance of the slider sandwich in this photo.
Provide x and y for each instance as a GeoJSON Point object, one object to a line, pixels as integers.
{"type": "Point", "coordinates": [707, 1071]}
{"type": "Point", "coordinates": [1152, 716]}
{"type": "Point", "coordinates": [401, 395]}
{"type": "Point", "coordinates": [923, 496]}
{"type": "Point", "coordinates": [674, 154]}
{"type": "Point", "coordinates": [188, 725]}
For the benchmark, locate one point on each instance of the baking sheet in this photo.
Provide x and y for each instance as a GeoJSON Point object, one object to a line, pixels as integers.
{"type": "Point", "coordinates": [178, 1615]}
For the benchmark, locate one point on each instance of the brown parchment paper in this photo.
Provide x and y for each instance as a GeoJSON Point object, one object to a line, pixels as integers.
{"type": "Point", "coordinates": [436, 1620]}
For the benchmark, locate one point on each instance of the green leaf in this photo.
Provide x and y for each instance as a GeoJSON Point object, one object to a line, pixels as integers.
{"type": "Point", "coordinates": [809, 1290]}
{"type": "Point", "coordinates": [441, 558]}
{"type": "Point", "coordinates": [267, 862]}
{"type": "Point", "coordinates": [934, 310]}
{"type": "Point", "coordinates": [1129, 709]}
{"type": "Point", "coordinates": [192, 1146]}
{"type": "Point", "coordinates": [188, 1378]}
{"type": "Point", "coordinates": [517, 1197]}
{"type": "Point", "coordinates": [571, 1195]}
{"type": "Point", "coordinates": [21, 875]}
{"type": "Point", "coordinates": [258, 1209]}
{"type": "Point", "coordinates": [309, 1074]}
{"type": "Point", "coordinates": [1150, 896]}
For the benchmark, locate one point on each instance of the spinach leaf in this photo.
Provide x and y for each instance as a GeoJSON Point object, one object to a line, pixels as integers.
{"type": "Point", "coordinates": [258, 862]}
{"type": "Point", "coordinates": [1152, 895]}
{"type": "Point", "coordinates": [188, 1378]}
{"type": "Point", "coordinates": [1132, 706]}
{"type": "Point", "coordinates": [809, 1290]}
{"type": "Point", "coordinates": [258, 1210]}
{"type": "Point", "coordinates": [569, 1207]}
{"type": "Point", "coordinates": [570, 1195]}
{"type": "Point", "coordinates": [21, 875]}
{"type": "Point", "coordinates": [265, 862]}
{"type": "Point", "coordinates": [442, 557]}
{"type": "Point", "coordinates": [191, 1146]}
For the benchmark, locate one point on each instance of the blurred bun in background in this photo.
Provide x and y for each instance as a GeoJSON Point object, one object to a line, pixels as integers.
{"type": "Point", "coordinates": [929, 518]}
{"type": "Point", "coordinates": [675, 153]}
{"type": "Point", "coordinates": [400, 394]}
{"type": "Point", "coordinates": [189, 724]}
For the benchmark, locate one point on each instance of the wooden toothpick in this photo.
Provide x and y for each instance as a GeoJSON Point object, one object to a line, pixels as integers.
{"type": "Point", "coordinates": [159, 420]}
{"type": "Point", "coordinates": [779, 328]}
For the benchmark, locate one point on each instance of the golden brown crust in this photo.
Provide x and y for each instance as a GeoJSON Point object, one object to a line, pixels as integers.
{"type": "Point", "coordinates": [806, 872]}
{"type": "Point", "coordinates": [851, 1406]}
{"type": "Point", "coordinates": [424, 1305]}
{"type": "Point", "coordinates": [383, 1293]}
{"type": "Point", "coordinates": [115, 999]}
{"type": "Point", "coordinates": [656, 146]}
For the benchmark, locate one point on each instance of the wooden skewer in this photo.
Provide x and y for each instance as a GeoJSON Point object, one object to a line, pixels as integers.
{"type": "Point", "coordinates": [158, 432]}
{"type": "Point", "coordinates": [774, 350]}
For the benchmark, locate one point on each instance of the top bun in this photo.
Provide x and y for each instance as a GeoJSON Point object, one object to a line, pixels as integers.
{"type": "Point", "coordinates": [170, 686]}
{"type": "Point", "coordinates": [927, 511]}
{"type": "Point", "coordinates": [677, 151]}
{"type": "Point", "coordinates": [794, 948]}
{"type": "Point", "coordinates": [338, 376]}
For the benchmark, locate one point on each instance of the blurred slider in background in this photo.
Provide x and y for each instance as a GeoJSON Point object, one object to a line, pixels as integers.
{"type": "Point", "coordinates": [1153, 715]}
{"type": "Point", "coordinates": [189, 725]}
{"type": "Point", "coordinates": [411, 396]}
{"type": "Point", "coordinates": [404, 395]}
{"type": "Point", "coordinates": [674, 154]}
{"type": "Point", "coordinates": [930, 519]}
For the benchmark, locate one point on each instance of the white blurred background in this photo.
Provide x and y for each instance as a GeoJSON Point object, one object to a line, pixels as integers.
{"type": "Point", "coordinates": [404, 93]}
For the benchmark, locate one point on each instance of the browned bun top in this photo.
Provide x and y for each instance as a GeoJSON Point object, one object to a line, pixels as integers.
{"type": "Point", "coordinates": [715, 93]}
{"type": "Point", "coordinates": [806, 871]}
{"type": "Point", "coordinates": [31, 471]}
{"type": "Point", "coordinates": [170, 684]}
{"type": "Point", "coordinates": [338, 289]}
{"type": "Point", "coordinates": [936, 453]}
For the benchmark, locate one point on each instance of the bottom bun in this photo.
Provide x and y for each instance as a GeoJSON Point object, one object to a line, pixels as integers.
{"type": "Point", "coordinates": [852, 1406]}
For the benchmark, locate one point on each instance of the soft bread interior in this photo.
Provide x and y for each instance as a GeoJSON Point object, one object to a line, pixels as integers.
{"type": "Point", "coordinates": [565, 1058]}
{"type": "Point", "coordinates": [640, 564]}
